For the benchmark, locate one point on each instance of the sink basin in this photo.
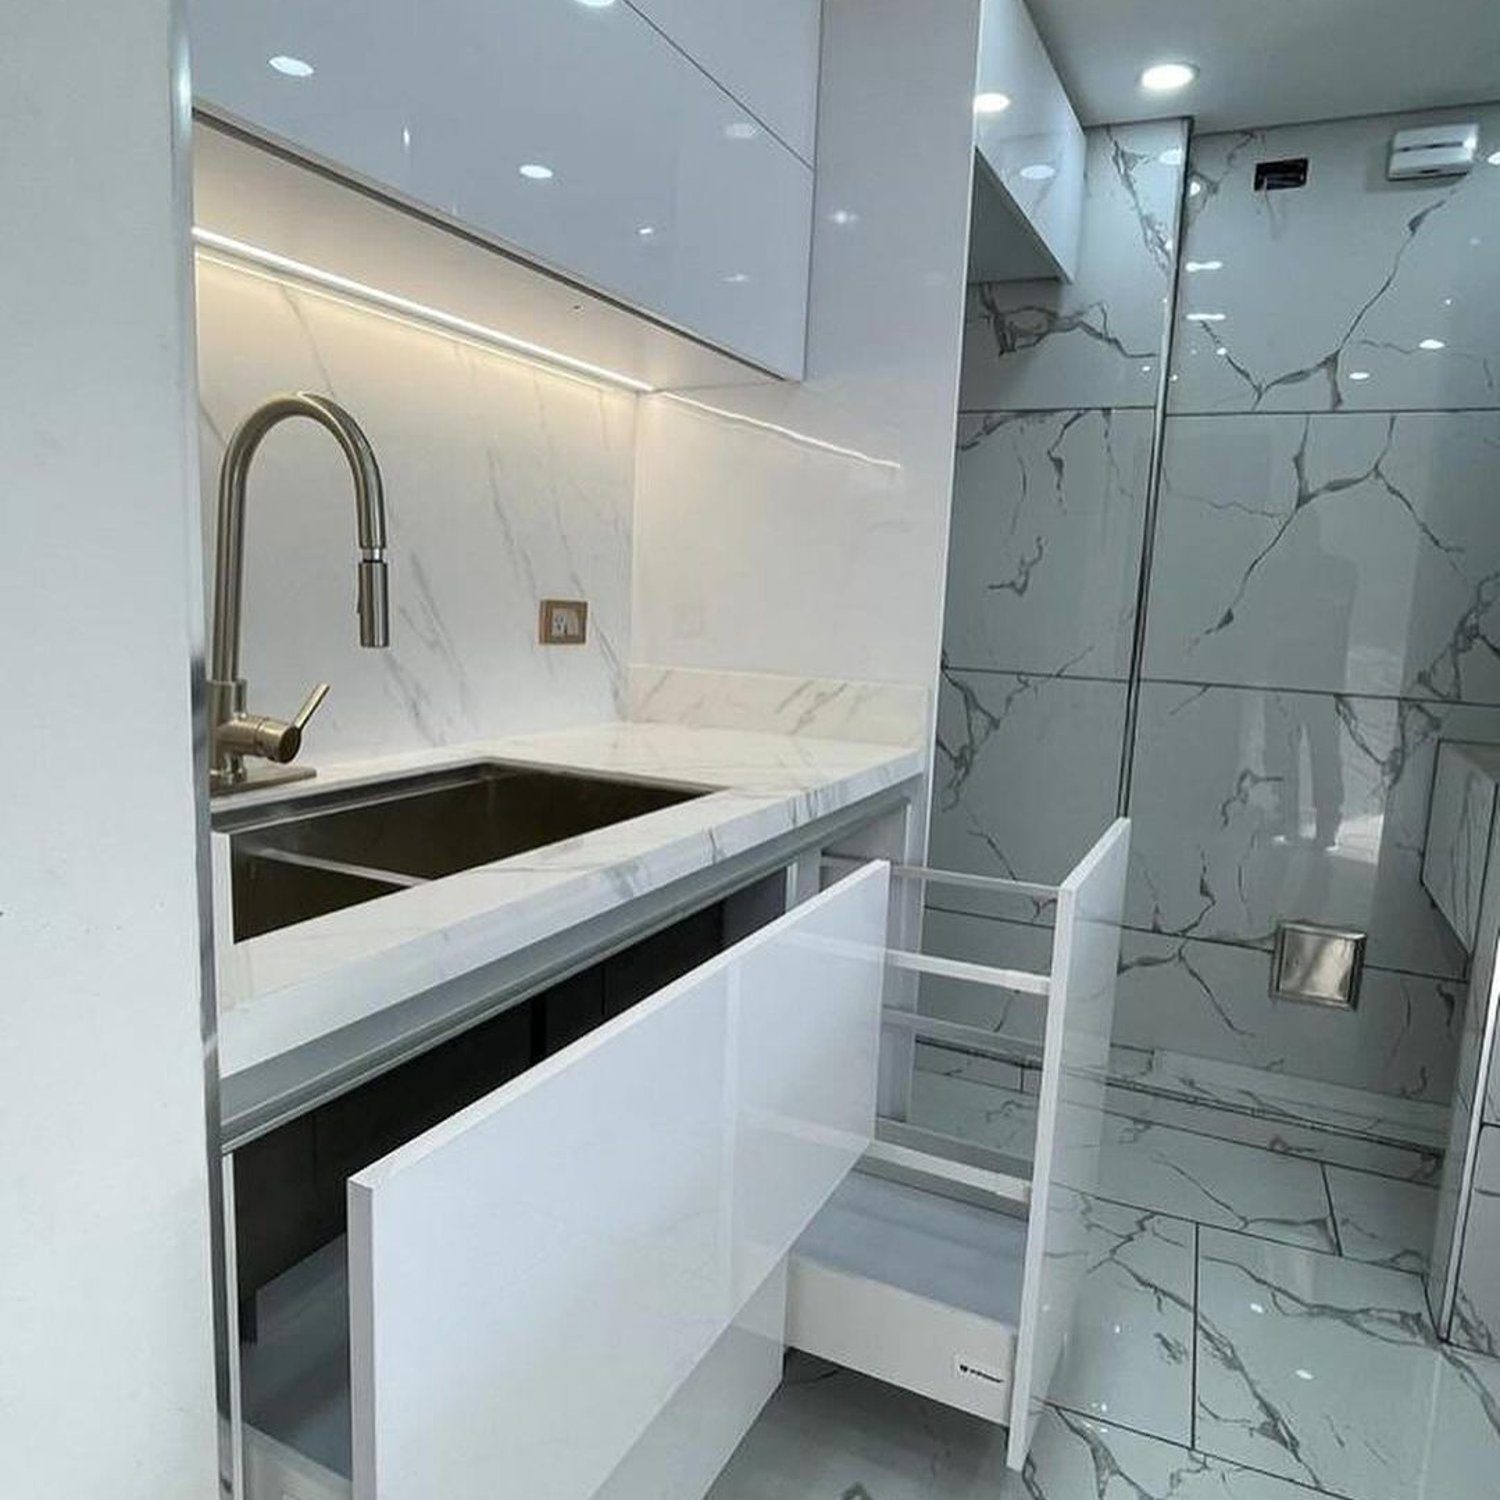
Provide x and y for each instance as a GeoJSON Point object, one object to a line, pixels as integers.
{"type": "Point", "coordinates": [306, 856]}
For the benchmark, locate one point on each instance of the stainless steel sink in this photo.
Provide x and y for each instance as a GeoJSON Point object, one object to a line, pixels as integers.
{"type": "Point", "coordinates": [306, 856]}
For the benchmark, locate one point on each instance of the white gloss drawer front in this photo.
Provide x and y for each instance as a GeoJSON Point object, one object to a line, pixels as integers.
{"type": "Point", "coordinates": [576, 135]}
{"type": "Point", "coordinates": [576, 1242]}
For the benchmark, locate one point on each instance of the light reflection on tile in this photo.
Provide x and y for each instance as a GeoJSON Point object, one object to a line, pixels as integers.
{"type": "Point", "coordinates": [1129, 1355]}
{"type": "Point", "coordinates": [1412, 264]}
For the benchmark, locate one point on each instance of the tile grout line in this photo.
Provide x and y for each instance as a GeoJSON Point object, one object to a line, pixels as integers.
{"type": "Point", "coordinates": [1197, 1294]}
{"type": "Point", "coordinates": [1333, 1217]}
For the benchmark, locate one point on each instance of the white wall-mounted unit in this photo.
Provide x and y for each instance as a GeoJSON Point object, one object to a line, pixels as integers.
{"type": "Point", "coordinates": [579, 137]}
{"type": "Point", "coordinates": [1029, 155]}
{"type": "Point", "coordinates": [635, 1227]}
{"type": "Point", "coordinates": [1434, 151]}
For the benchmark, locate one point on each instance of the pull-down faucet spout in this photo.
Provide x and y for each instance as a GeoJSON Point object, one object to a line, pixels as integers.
{"type": "Point", "coordinates": [235, 732]}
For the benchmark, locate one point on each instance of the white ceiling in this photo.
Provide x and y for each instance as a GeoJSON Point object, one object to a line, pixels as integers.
{"type": "Point", "coordinates": [1266, 62]}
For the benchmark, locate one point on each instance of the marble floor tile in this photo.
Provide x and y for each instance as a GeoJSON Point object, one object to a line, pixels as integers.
{"type": "Point", "coordinates": [1130, 1354]}
{"type": "Point", "coordinates": [1327, 1371]}
{"type": "Point", "coordinates": [1149, 1166]}
{"type": "Point", "coordinates": [1382, 1222]}
{"type": "Point", "coordinates": [1216, 1182]}
{"type": "Point", "coordinates": [829, 1434]}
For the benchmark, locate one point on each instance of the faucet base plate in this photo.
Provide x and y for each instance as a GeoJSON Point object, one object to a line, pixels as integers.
{"type": "Point", "coordinates": [259, 778]}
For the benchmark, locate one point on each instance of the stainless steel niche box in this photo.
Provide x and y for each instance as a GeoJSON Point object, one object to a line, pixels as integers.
{"type": "Point", "coordinates": [1317, 965]}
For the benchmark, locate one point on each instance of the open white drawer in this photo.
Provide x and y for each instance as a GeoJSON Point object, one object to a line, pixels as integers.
{"type": "Point", "coordinates": [947, 1268]}
{"type": "Point", "coordinates": [578, 1287]}
{"type": "Point", "coordinates": [531, 1282]}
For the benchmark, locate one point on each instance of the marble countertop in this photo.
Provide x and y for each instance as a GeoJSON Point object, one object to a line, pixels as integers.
{"type": "Point", "coordinates": [287, 988]}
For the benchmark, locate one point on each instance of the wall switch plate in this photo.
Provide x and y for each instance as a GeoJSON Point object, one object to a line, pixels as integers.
{"type": "Point", "coordinates": [564, 622]}
{"type": "Point", "coordinates": [1317, 965]}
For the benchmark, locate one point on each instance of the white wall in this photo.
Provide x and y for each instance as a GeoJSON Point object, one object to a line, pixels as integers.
{"type": "Point", "coordinates": [824, 556]}
{"type": "Point", "coordinates": [505, 483]}
{"type": "Point", "coordinates": [106, 1380]}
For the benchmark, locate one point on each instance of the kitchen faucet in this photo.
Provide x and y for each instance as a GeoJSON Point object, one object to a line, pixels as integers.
{"type": "Point", "coordinates": [235, 733]}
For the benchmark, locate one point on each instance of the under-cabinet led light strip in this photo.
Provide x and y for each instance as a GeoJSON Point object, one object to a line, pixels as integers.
{"type": "Point", "coordinates": [238, 254]}
{"type": "Point", "coordinates": [802, 439]}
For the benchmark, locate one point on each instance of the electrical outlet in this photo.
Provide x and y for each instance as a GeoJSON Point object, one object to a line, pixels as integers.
{"type": "Point", "coordinates": [565, 622]}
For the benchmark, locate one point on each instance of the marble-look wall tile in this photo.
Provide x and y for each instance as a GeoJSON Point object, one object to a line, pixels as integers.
{"type": "Point", "coordinates": [1185, 1001]}
{"type": "Point", "coordinates": [883, 713]}
{"type": "Point", "coordinates": [1476, 1315]}
{"type": "Point", "coordinates": [1213, 1000]}
{"type": "Point", "coordinates": [1459, 832]}
{"type": "Point", "coordinates": [1352, 554]}
{"type": "Point", "coordinates": [1045, 541]}
{"type": "Point", "coordinates": [1095, 341]}
{"type": "Point", "coordinates": [504, 483]}
{"type": "Point", "coordinates": [1025, 774]}
{"type": "Point", "coordinates": [1251, 807]}
{"type": "Point", "coordinates": [1350, 292]}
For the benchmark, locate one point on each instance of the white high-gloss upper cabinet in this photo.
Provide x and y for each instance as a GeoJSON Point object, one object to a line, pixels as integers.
{"type": "Point", "coordinates": [644, 179]}
{"type": "Point", "coordinates": [765, 52]}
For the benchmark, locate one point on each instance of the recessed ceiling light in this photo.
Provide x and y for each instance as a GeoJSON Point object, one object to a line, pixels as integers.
{"type": "Point", "coordinates": [292, 67]}
{"type": "Point", "coordinates": [1173, 156]}
{"type": "Point", "coordinates": [1194, 266]}
{"type": "Point", "coordinates": [646, 231]}
{"type": "Point", "coordinates": [535, 171]}
{"type": "Point", "coordinates": [597, 4]}
{"type": "Point", "coordinates": [843, 216]}
{"type": "Point", "coordinates": [1206, 317]}
{"type": "Point", "coordinates": [1359, 374]}
{"type": "Point", "coordinates": [739, 278]}
{"type": "Point", "coordinates": [741, 130]}
{"type": "Point", "coordinates": [1493, 158]}
{"type": "Point", "coordinates": [1038, 171]}
{"type": "Point", "coordinates": [1432, 344]}
{"type": "Point", "coordinates": [1167, 77]}
{"type": "Point", "coordinates": [991, 102]}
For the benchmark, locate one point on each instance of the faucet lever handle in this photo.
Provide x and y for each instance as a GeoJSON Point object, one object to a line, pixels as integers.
{"type": "Point", "coordinates": [311, 704]}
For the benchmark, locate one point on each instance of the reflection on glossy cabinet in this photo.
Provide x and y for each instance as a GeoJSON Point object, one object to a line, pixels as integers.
{"type": "Point", "coordinates": [578, 135]}
{"type": "Point", "coordinates": [765, 52]}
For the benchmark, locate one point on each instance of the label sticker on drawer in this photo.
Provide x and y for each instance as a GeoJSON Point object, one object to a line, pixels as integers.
{"type": "Point", "coordinates": [969, 1369]}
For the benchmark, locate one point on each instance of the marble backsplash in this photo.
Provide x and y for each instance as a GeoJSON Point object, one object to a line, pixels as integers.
{"type": "Point", "coordinates": [877, 713]}
{"type": "Point", "coordinates": [505, 483]}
